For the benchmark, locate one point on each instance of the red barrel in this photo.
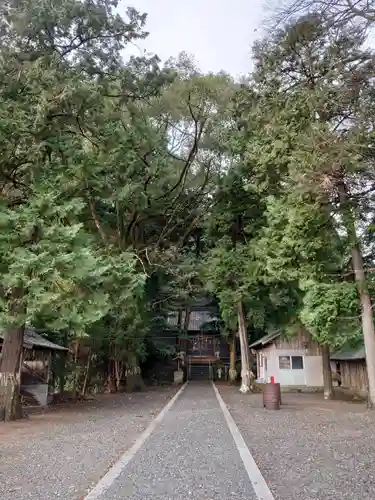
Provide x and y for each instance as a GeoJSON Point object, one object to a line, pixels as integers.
{"type": "Point", "coordinates": [272, 396]}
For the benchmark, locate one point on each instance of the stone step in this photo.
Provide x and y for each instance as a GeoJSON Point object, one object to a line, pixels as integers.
{"type": "Point", "coordinates": [199, 372]}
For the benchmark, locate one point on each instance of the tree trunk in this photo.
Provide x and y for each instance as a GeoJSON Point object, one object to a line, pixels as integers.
{"type": "Point", "coordinates": [119, 370]}
{"type": "Point", "coordinates": [76, 370]}
{"type": "Point", "coordinates": [232, 360]}
{"type": "Point", "coordinates": [367, 322]}
{"type": "Point", "coordinates": [116, 368]}
{"type": "Point", "coordinates": [10, 400]}
{"type": "Point", "coordinates": [245, 366]}
{"type": "Point", "coordinates": [367, 316]}
{"type": "Point", "coordinates": [62, 366]}
{"type": "Point", "coordinates": [111, 383]}
{"type": "Point", "coordinates": [134, 380]}
{"type": "Point", "coordinates": [10, 359]}
{"type": "Point", "coordinates": [87, 374]}
{"type": "Point", "coordinates": [327, 374]}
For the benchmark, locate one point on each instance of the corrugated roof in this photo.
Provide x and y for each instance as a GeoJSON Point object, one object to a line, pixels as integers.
{"type": "Point", "coordinates": [196, 320]}
{"type": "Point", "coordinates": [348, 354]}
{"type": "Point", "coordinates": [266, 339]}
{"type": "Point", "coordinates": [32, 339]}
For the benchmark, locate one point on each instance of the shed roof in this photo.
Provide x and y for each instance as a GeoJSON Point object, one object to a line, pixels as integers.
{"type": "Point", "coordinates": [349, 354]}
{"type": "Point", "coordinates": [32, 339]}
{"type": "Point", "coordinates": [267, 339]}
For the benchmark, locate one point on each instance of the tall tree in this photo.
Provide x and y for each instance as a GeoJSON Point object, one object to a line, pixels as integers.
{"type": "Point", "coordinates": [314, 92]}
{"type": "Point", "coordinates": [230, 267]}
{"type": "Point", "coordinates": [336, 12]}
{"type": "Point", "coordinates": [52, 57]}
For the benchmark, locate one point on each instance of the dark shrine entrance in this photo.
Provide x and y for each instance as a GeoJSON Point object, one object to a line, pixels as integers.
{"type": "Point", "coordinates": [202, 353]}
{"type": "Point", "coordinates": [201, 345]}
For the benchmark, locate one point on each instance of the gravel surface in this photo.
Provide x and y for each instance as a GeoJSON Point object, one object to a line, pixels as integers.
{"type": "Point", "coordinates": [190, 455]}
{"type": "Point", "coordinates": [310, 449]}
{"type": "Point", "coordinates": [63, 453]}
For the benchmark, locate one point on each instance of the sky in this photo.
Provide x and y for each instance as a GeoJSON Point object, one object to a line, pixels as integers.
{"type": "Point", "coordinates": [218, 33]}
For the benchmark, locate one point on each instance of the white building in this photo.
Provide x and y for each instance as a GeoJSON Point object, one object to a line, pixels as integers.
{"type": "Point", "coordinates": [294, 361]}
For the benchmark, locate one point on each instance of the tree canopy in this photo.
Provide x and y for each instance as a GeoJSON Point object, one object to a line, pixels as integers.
{"type": "Point", "coordinates": [130, 187]}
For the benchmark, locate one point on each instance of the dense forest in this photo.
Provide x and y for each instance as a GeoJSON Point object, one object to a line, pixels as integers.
{"type": "Point", "coordinates": [129, 186]}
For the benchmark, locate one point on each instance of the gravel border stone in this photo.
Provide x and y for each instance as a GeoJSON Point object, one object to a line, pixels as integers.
{"type": "Point", "coordinates": [62, 454]}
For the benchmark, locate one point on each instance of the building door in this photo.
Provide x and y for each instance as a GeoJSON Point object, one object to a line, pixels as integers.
{"type": "Point", "coordinates": [292, 370]}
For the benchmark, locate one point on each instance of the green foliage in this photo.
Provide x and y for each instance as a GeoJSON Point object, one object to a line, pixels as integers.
{"type": "Point", "coordinates": [331, 312]}
{"type": "Point", "coordinates": [130, 188]}
{"type": "Point", "coordinates": [50, 53]}
{"type": "Point", "coordinates": [302, 129]}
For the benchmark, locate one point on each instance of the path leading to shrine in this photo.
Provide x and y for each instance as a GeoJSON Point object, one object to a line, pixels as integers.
{"type": "Point", "coordinates": [121, 447]}
{"type": "Point", "coordinates": [193, 449]}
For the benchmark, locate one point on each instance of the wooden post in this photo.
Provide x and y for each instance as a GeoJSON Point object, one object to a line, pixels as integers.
{"type": "Point", "coordinates": [49, 372]}
{"type": "Point", "coordinates": [87, 375]}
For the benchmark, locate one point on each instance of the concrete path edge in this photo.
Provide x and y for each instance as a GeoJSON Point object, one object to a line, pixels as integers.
{"type": "Point", "coordinates": [114, 472]}
{"type": "Point", "coordinates": [260, 486]}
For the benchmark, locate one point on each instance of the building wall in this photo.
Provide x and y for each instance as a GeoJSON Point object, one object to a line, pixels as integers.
{"type": "Point", "coordinates": [353, 374]}
{"type": "Point", "coordinates": [265, 361]}
{"type": "Point", "coordinates": [310, 376]}
{"type": "Point", "coordinates": [302, 340]}
{"type": "Point", "coordinates": [314, 370]}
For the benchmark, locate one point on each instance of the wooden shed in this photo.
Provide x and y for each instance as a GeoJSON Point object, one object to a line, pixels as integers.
{"type": "Point", "coordinates": [36, 374]}
{"type": "Point", "coordinates": [293, 361]}
{"type": "Point", "coordinates": [349, 368]}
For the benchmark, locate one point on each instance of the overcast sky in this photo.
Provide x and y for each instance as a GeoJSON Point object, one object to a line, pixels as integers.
{"type": "Point", "coordinates": [219, 33]}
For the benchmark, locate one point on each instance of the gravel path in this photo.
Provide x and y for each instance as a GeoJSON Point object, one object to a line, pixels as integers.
{"type": "Point", "coordinates": [63, 453]}
{"type": "Point", "coordinates": [310, 449]}
{"type": "Point", "coordinates": [190, 455]}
